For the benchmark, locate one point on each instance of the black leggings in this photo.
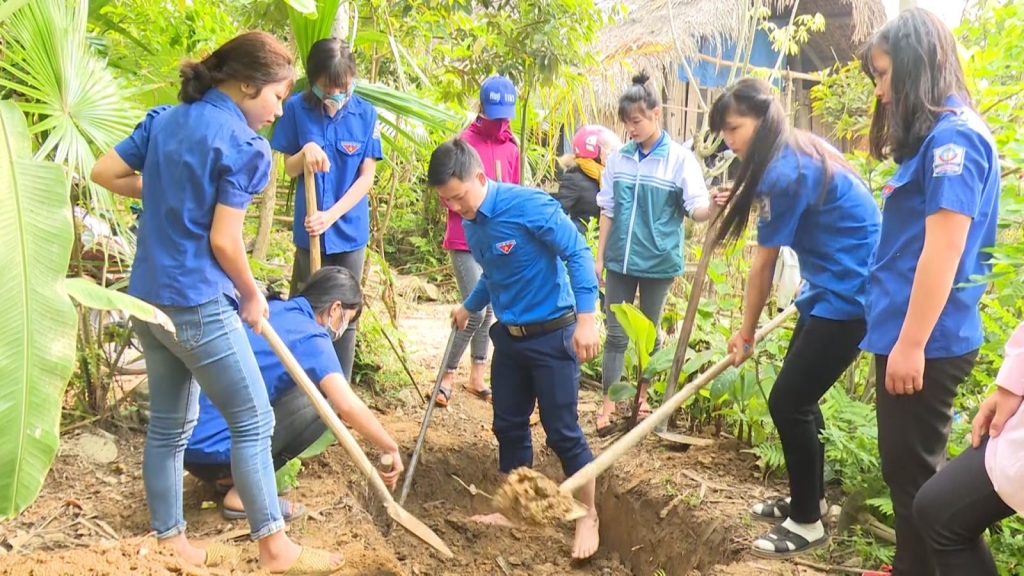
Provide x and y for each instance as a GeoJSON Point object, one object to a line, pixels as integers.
{"type": "Point", "coordinates": [296, 427]}
{"type": "Point", "coordinates": [819, 352]}
{"type": "Point", "coordinates": [954, 508]}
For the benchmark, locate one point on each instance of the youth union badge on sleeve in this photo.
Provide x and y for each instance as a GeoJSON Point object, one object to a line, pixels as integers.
{"type": "Point", "coordinates": [506, 246]}
{"type": "Point", "coordinates": [948, 160]}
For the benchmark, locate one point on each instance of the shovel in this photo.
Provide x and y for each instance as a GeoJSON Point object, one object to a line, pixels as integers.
{"type": "Point", "coordinates": [396, 512]}
{"type": "Point", "coordinates": [606, 459]}
{"type": "Point", "coordinates": [414, 459]}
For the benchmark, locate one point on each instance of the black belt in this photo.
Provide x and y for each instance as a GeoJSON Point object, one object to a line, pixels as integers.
{"type": "Point", "coordinates": [540, 328]}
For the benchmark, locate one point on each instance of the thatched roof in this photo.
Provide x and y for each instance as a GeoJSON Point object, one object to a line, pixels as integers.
{"type": "Point", "coordinates": [643, 39]}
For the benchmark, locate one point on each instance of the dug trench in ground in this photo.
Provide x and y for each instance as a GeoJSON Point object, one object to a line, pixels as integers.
{"type": "Point", "coordinates": [91, 517]}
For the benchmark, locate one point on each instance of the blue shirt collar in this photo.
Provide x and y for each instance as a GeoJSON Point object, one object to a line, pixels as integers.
{"type": "Point", "coordinates": [304, 306]}
{"type": "Point", "coordinates": [487, 206]}
{"type": "Point", "coordinates": [218, 99]}
{"type": "Point", "coordinates": [660, 150]}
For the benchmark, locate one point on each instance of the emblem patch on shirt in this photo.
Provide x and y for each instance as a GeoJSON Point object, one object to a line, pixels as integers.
{"type": "Point", "coordinates": [764, 208]}
{"type": "Point", "coordinates": [948, 160]}
{"type": "Point", "coordinates": [506, 246]}
{"type": "Point", "coordinates": [350, 147]}
{"type": "Point", "coordinates": [887, 190]}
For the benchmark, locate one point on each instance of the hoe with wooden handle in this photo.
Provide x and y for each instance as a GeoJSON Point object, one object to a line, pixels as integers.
{"type": "Point", "coordinates": [605, 459]}
{"type": "Point", "coordinates": [348, 442]}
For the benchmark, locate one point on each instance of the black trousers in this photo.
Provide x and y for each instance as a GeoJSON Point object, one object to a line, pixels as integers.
{"type": "Point", "coordinates": [344, 347]}
{"type": "Point", "coordinates": [954, 508]}
{"type": "Point", "coordinates": [297, 426]}
{"type": "Point", "coordinates": [912, 435]}
{"type": "Point", "coordinates": [819, 352]}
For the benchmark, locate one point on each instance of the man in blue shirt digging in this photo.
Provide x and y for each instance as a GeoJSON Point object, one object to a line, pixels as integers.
{"type": "Point", "coordinates": [545, 326]}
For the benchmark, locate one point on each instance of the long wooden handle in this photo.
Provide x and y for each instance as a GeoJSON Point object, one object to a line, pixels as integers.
{"type": "Point", "coordinates": [311, 208]}
{"type": "Point", "coordinates": [348, 442]}
{"type": "Point", "coordinates": [692, 304]}
{"type": "Point", "coordinates": [497, 171]}
{"type": "Point", "coordinates": [605, 459]}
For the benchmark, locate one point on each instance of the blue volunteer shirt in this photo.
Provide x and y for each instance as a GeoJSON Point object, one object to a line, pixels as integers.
{"type": "Point", "coordinates": [520, 237]}
{"type": "Point", "coordinates": [833, 232]}
{"type": "Point", "coordinates": [349, 138]}
{"type": "Point", "coordinates": [310, 343]}
{"type": "Point", "coordinates": [957, 169]}
{"type": "Point", "coordinates": [192, 157]}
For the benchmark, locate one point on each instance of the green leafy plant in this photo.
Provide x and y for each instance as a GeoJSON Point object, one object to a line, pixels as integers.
{"type": "Point", "coordinates": [37, 344]}
{"type": "Point", "coordinates": [641, 333]}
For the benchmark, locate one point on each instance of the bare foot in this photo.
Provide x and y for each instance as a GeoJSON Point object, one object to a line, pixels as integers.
{"type": "Point", "coordinates": [494, 520]}
{"type": "Point", "coordinates": [185, 550]}
{"type": "Point", "coordinates": [278, 553]}
{"type": "Point", "coordinates": [587, 536]}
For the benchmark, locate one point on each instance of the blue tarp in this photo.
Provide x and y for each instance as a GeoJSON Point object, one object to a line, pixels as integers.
{"type": "Point", "coordinates": [710, 75]}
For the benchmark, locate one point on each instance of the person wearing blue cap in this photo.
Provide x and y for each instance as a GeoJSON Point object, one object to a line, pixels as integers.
{"type": "Point", "coordinates": [489, 134]}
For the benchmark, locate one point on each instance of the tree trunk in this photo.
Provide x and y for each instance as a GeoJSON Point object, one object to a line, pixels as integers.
{"type": "Point", "coordinates": [340, 28]}
{"type": "Point", "coordinates": [267, 205]}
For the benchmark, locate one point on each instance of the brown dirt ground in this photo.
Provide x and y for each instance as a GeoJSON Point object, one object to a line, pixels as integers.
{"type": "Point", "coordinates": [678, 512]}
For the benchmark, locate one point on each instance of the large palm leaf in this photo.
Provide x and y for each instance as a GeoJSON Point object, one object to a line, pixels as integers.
{"type": "Point", "coordinates": [37, 341]}
{"type": "Point", "coordinates": [75, 105]}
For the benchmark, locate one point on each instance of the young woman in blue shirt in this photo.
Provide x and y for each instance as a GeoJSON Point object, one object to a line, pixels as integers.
{"type": "Point", "coordinates": [308, 324]}
{"type": "Point", "coordinates": [808, 199]}
{"type": "Point", "coordinates": [196, 167]}
{"type": "Point", "coordinates": [333, 132]}
{"type": "Point", "coordinates": [939, 217]}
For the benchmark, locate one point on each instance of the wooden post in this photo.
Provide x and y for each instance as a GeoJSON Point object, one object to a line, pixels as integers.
{"type": "Point", "coordinates": [314, 239]}
{"type": "Point", "coordinates": [267, 203]}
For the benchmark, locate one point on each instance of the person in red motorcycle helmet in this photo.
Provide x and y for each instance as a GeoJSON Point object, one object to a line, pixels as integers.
{"type": "Point", "coordinates": [577, 189]}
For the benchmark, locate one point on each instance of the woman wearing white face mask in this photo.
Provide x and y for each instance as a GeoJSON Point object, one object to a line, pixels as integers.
{"type": "Point", "coordinates": [330, 131]}
{"type": "Point", "coordinates": [309, 324]}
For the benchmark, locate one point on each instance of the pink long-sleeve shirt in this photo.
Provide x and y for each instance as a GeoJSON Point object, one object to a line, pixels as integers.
{"type": "Point", "coordinates": [1004, 456]}
{"type": "Point", "coordinates": [492, 140]}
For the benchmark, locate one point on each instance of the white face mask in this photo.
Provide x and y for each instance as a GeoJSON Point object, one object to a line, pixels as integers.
{"type": "Point", "coordinates": [337, 333]}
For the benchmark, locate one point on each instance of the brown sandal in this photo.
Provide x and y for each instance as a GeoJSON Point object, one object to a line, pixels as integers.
{"type": "Point", "coordinates": [312, 562]}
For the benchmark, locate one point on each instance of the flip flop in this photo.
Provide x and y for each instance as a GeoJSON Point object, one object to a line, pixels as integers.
{"type": "Point", "coordinates": [223, 489]}
{"type": "Point", "coordinates": [219, 555]}
{"type": "Point", "coordinates": [444, 395]}
{"type": "Point", "coordinates": [289, 511]}
{"type": "Point", "coordinates": [484, 394]}
{"type": "Point", "coordinates": [312, 562]}
{"type": "Point", "coordinates": [607, 429]}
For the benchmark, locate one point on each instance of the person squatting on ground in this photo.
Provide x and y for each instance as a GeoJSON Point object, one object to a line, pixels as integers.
{"type": "Point", "coordinates": [538, 274]}
{"type": "Point", "coordinates": [200, 163]}
{"type": "Point", "coordinates": [647, 188]}
{"type": "Point", "coordinates": [939, 217]}
{"type": "Point", "coordinates": [308, 324]}
{"type": "Point", "coordinates": [489, 134]}
{"type": "Point", "coordinates": [333, 132]}
{"type": "Point", "coordinates": [808, 199]}
{"type": "Point", "coordinates": [984, 484]}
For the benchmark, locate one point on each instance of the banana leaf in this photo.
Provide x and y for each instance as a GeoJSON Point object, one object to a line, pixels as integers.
{"type": "Point", "coordinates": [39, 323]}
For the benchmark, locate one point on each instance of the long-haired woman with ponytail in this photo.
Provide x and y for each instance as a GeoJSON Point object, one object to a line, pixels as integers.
{"type": "Point", "coordinates": [810, 200]}
{"type": "Point", "coordinates": [196, 167]}
{"type": "Point", "coordinates": [647, 187]}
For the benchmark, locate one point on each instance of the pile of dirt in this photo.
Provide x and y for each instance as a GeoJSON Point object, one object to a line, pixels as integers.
{"type": "Point", "coordinates": [679, 512]}
{"type": "Point", "coordinates": [529, 496]}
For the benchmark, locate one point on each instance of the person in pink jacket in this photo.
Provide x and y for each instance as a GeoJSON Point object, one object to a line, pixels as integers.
{"type": "Point", "coordinates": [489, 134]}
{"type": "Point", "coordinates": [982, 485]}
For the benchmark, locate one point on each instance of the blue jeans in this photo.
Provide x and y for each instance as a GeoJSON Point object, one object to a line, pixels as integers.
{"type": "Point", "coordinates": [212, 347]}
{"type": "Point", "coordinates": [543, 370]}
